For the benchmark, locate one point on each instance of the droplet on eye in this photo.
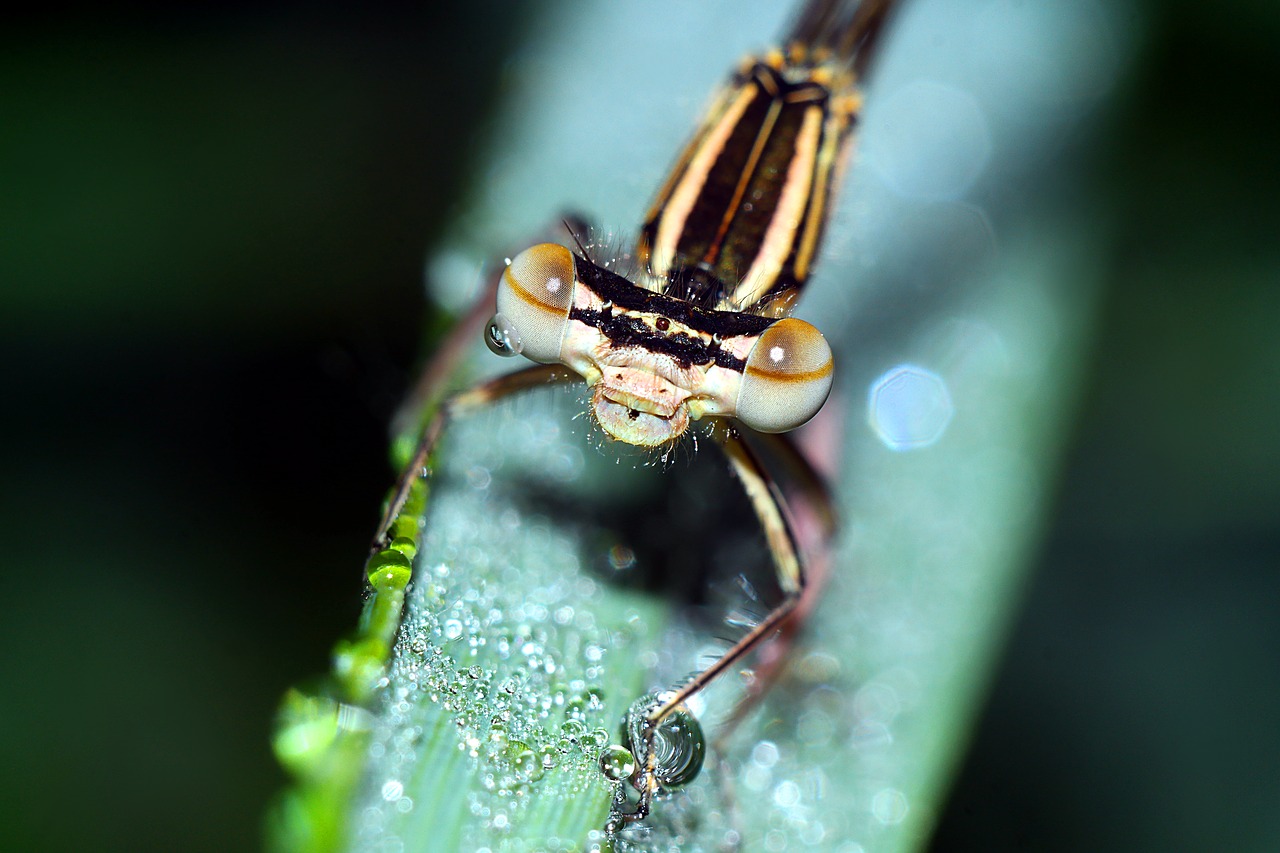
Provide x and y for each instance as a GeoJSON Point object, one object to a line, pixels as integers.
{"type": "Point", "coordinates": [502, 338]}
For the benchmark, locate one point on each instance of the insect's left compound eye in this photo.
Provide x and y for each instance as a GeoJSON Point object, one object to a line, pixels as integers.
{"type": "Point", "coordinates": [534, 298]}
{"type": "Point", "coordinates": [787, 379]}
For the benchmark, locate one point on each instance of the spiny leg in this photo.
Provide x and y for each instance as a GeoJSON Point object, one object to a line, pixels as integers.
{"type": "Point", "coordinates": [431, 386]}
{"type": "Point", "coordinates": [769, 506]}
{"type": "Point", "coordinates": [801, 475]}
{"type": "Point", "coordinates": [813, 519]}
{"type": "Point", "coordinates": [470, 400]}
{"type": "Point", "coordinates": [432, 383]}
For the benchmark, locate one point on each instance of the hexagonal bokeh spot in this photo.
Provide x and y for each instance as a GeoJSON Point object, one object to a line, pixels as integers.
{"type": "Point", "coordinates": [909, 407]}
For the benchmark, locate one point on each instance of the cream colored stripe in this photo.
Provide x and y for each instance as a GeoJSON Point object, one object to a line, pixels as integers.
{"type": "Point", "coordinates": [781, 234]}
{"type": "Point", "coordinates": [818, 211]}
{"type": "Point", "coordinates": [686, 193]}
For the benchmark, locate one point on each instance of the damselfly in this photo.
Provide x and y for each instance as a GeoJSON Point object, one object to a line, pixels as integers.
{"type": "Point", "coordinates": [703, 331]}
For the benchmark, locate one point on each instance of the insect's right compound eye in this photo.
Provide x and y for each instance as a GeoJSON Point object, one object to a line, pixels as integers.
{"type": "Point", "coordinates": [534, 298]}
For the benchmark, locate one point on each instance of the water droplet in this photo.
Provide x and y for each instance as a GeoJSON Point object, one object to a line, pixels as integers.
{"type": "Point", "coordinates": [405, 545]}
{"type": "Point", "coordinates": [406, 525]}
{"type": "Point", "coordinates": [452, 629]}
{"type": "Point", "coordinates": [524, 762]}
{"type": "Point", "coordinates": [389, 569]}
{"type": "Point", "coordinates": [617, 763]}
{"type": "Point", "coordinates": [678, 744]}
{"type": "Point", "coordinates": [502, 338]}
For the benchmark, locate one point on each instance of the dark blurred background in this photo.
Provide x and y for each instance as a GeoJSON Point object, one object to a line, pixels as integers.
{"type": "Point", "coordinates": [212, 231]}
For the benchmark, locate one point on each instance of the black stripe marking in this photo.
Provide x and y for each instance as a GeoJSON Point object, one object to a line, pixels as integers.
{"type": "Point", "coordinates": [628, 330]}
{"type": "Point", "coordinates": [707, 264]}
{"type": "Point", "coordinates": [612, 287]}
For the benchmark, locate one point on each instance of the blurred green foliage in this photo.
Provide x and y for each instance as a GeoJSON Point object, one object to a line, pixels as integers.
{"type": "Point", "coordinates": [1136, 706]}
{"type": "Point", "coordinates": [212, 228]}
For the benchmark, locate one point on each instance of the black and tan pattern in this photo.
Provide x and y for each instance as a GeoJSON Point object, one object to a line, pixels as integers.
{"type": "Point", "coordinates": [705, 331]}
{"type": "Point", "coordinates": [738, 225]}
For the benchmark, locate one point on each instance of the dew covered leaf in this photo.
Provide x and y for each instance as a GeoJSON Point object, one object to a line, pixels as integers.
{"type": "Point", "coordinates": [558, 580]}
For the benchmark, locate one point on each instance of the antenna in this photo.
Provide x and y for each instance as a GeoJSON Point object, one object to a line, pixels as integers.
{"type": "Point", "coordinates": [574, 234]}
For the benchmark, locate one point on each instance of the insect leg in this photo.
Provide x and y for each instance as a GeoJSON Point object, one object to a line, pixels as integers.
{"type": "Point", "coordinates": [814, 520]}
{"type": "Point", "coordinates": [471, 399]}
{"type": "Point", "coordinates": [769, 506]}
{"type": "Point", "coordinates": [801, 477]}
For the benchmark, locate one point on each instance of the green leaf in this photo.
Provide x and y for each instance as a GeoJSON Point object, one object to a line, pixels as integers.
{"type": "Point", "coordinates": [552, 584]}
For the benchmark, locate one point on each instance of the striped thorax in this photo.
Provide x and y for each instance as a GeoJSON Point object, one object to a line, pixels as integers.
{"type": "Point", "coordinates": [726, 249]}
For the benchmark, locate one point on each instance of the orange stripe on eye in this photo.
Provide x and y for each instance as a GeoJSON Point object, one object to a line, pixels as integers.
{"type": "Point", "coordinates": [788, 376]}
{"type": "Point", "coordinates": [530, 297]}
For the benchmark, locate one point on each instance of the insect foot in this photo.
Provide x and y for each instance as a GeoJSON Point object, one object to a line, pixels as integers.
{"type": "Point", "coordinates": [665, 749]}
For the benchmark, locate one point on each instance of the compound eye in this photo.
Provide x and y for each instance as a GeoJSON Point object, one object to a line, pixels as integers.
{"type": "Point", "coordinates": [787, 379]}
{"type": "Point", "coordinates": [534, 298]}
